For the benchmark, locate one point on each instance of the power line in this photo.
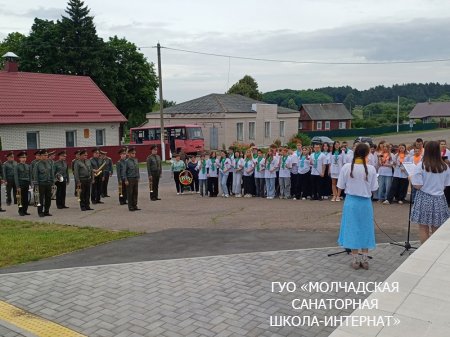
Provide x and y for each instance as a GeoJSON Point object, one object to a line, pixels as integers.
{"type": "Point", "coordinates": [300, 62]}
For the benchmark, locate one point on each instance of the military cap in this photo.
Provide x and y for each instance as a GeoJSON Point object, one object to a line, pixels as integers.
{"type": "Point", "coordinates": [83, 152]}
{"type": "Point", "coordinates": [9, 154]}
{"type": "Point", "coordinates": [77, 152]}
{"type": "Point", "coordinates": [131, 149]}
{"type": "Point", "coordinates": [51, 153]}
{"type": "Point", "coordinates": [62, 153]}
{"type": "Point", "coordinates": [103, 152]}
{"type": "Point", "coordinates": [122, 150]}
{"type": "Point", "coordinates": [44, 152]}
{"type": "Point", "coordinates": [37, 153]}
{"type": "Point", "coordinates": [154, 147]}
{"type": "Point", "coordinates": [95, 150]}
{"type": "Point", "coordinates": [22, 154]}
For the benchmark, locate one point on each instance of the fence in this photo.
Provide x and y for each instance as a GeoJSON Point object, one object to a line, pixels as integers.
{"type": "Point", "coordinates": [371, 131]}
{"type": "Point", "coordinates": [142, 152]}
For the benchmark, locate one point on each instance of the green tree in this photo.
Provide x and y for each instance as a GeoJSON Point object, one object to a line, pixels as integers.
{"type": "Point", "coordinates": [166, 104]}
{"type": "Point", "coordinates": [11, 43]}
{"type": "Point", "coordinates": [135, 81]}
{"type": "Point", "coordinates": [291, 104]}
{"type": "Point", "coordinates": [246, 86]}
{"type": "Point", "coordinates": [41, 49]}
{"type": "Point", "coordinates": [81, 48]}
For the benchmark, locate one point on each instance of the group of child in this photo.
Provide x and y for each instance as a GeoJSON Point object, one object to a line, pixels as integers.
{"type": "Point", "coordinates": [308, 172]}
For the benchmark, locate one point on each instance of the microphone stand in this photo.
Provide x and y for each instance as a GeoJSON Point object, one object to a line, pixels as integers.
{"type": "Point", "coordinates": [407, 244]}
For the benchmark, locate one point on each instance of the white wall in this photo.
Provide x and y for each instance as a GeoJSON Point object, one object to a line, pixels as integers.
{"type": "Point", "coordinates": [14, 137]}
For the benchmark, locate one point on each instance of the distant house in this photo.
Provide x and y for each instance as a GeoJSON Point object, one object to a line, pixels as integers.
{"type": "Point", "coordinates": [429, 110]}
{"type": "Point", "coordinates": [227, 118]}
{"type": "Point", "coordinates": [54, 111]}
{"type": "Point", "coordinates": [323, 117]}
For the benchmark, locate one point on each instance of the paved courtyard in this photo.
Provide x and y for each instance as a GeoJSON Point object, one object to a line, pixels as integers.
{"type": "Point", "coordinates": [206, 296]}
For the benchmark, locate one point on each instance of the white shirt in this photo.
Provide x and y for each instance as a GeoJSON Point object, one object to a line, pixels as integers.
{"type": "Point", "coordinates": [386, 170]}
{"type": "Point", "coordinates": [400, 172]}
{"type": "Point", "coordinates": [432, 183]}
{"type": "Point", "coordinates": [348, 157]}
{"type": "Point", "coordinates": [211, 165]}
{"type": "Point", "coordinates": [336, 163]}
{"type": "Point", "coordinates": [305, 161]}
{"type": "Point", "coordinates": [373, 159]}
{"type": "Point", "coordinates": [225, 165]}
{"type": "Point", "coordinates": [358, 185]}
{"type": "Point", "coordinates": [286, 171]}
{"type": "Point", "coordinates": [249, 166]}
{"type": "Point", "coordinates": [259, 173]}
{"type": "Point", "coordinates": [199, 168]}
{"type": "Point", "coordinates": [317, 164]}
{"type": "Point", "coordinates": [271, 171]}
{"type": "Point", "coordinates": [238, 165]}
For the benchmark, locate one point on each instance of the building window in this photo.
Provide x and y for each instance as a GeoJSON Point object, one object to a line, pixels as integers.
{"type": "Point", "coordinates": [342, 125]}
{"type": "Point", "coordinates": [266, 129]}
{"type": "Point", "coordinates": [100, 137]}
{"type": "Point", "coordinates": [240, 131]}
{"type": "Point", "coordinates": [251, 130]}
{"type": "Point", "coordinates": [281, 128]}
{"type": "Point", "coordinates": [300, 125]}
{"type": "Point", "coordinates": [33, 140]}
{"type": "Point", "coordinates": [71, 138]}
{"type": "Point", "coordinates": [319, 125]}
{"type": "Point", "coordinates": [327, 125]}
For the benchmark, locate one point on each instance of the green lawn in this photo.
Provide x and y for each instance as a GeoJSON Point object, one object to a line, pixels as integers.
{"type": "Point", "coordinates": [25, 241]}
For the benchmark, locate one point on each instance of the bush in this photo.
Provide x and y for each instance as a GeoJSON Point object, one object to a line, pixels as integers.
{"type": "Point", "coordinates": [303, 138]}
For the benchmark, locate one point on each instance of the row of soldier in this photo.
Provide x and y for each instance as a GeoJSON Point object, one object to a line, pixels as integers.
{"type": "Point", "coordinates": [46, 176]}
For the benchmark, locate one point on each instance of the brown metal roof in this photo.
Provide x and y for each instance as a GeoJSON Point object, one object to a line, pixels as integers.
{"type": "Point", "coordinates": [328, 111]}
{"type": "Point", "coordinates": [430, 109]}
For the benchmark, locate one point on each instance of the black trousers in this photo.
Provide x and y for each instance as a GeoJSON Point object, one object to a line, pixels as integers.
{"type": "Point", "coordinates": [123, 199]}
{"type": "Point", "coordinates": [303, 185]}
{"type": "Point", "coordinates": [85, 193]}
{"type": "Point", "coordinates": [24, 197]}
{"type": "Point", "coordinates": [247, 180]}
{"type": "Point", "coordinates": [213, 186]}
{"type": "Point", "coordinates": [45, 198]}
{"type": "Point", "coordinates": [277, 185]}
{"type": "Point", "coordinates": [316, 187]}
{"type": "Point", "coordinates": [176, 178]}
{"type": "Point", "coordinates": [61, 194]}
{"type": "Point", "coordinates": [194, 185]}
{"type": "Point", "coordinates": [260, 183]}
{"type": "Point", "coordinates": [252, 184]}
{"type": "Point", "coordinates": [155, 185]}
{"type": "Point", "coordinates": [398, 190]}
{"type": "Point", "coordinates": [230, 182]}
{"type": "Point", "coordinates": [132, 193]}
{"type": "Point", "coordinates": [11, 187]}
{"type": "Point", "coordinates": [326, 183]}
{"type": "Point", "coordinates": [294, 183]}
{"type": "Point", "coordinates": [105, 185]}
{"type": "Point", "coordinates": [96, 190]}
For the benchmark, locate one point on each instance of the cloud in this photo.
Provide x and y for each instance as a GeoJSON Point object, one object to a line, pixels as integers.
{"type": "Point", "coordinates": [49, 13]}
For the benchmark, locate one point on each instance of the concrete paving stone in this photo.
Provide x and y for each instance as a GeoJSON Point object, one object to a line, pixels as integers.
{"type": "Point", "coordinates": [217, 296]}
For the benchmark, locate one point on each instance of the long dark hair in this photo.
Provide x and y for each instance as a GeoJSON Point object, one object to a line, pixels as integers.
{"type": "Point", "coordinates": [361, 152]}
{"type": "Point", "coordinates": [432, 160]}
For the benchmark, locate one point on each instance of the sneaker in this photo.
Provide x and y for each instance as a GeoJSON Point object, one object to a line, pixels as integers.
{"type": "Point", "coordinates": [386, 202]}
{"type": "Point", "coordinates": [294, 198]}
{"type": "Point", "coordinates": [303, 198]}
{"type": "Point", "coordinates": [238, 196]}
{"type": "Point", "coordinates": [178, 193]}
{"type": "Point", "coordinates": [333, 199]}
{"type": "Point", "coordinates": [226, 195]}
{"type": "Point", "coordinates": [325, 197]}
{"type": "Point", "coordinates": [400, 202]}
{"type": "Point", "coordinates": [338, 199]}
{"type": "Point", "coordinates": [198, 192]}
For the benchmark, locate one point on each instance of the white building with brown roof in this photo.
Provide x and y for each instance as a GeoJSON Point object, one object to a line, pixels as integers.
{"type": "Point", "coordinates": [228, 118]}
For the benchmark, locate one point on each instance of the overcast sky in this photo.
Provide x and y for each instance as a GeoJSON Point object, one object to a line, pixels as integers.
{"type": "Point", "coordinates": [300, 30]}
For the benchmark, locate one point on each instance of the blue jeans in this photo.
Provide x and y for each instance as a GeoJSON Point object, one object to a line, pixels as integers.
{"type": "Point", "coordinates": [223, 182]}
{"type": "Point", "coordinates": [270, 186]}
{"type": "Point", "coordinates": [384, 185]}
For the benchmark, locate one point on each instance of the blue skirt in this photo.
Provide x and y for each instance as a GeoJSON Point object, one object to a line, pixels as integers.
{"type": "Point", "coordinates": [357, 225]}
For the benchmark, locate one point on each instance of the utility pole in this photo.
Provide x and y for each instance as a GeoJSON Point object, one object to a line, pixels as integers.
{"type": "Point", "coordinates": [161, 105]}
{"type": "Point", "coordinates": [398, 112]}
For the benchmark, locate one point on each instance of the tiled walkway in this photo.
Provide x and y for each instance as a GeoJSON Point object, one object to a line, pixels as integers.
{"type": "Point", "coordinates": [207, 296]}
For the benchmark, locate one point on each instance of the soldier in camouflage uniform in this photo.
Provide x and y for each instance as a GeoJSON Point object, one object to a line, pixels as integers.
{"type": "Point", "coordinates": [44, 176]}
{"type": "Point", "coordinates": [61, 169]}
{"type": "Point", "coordinates": [119, 168]}
{"type": "Point", "coordinates": [130, 175]}
{"type": "Point", "coordinates": [8, 177]}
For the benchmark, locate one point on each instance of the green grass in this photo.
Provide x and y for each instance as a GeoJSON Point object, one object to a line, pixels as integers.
{"type": "Point", "coordinates": [25, 241]}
